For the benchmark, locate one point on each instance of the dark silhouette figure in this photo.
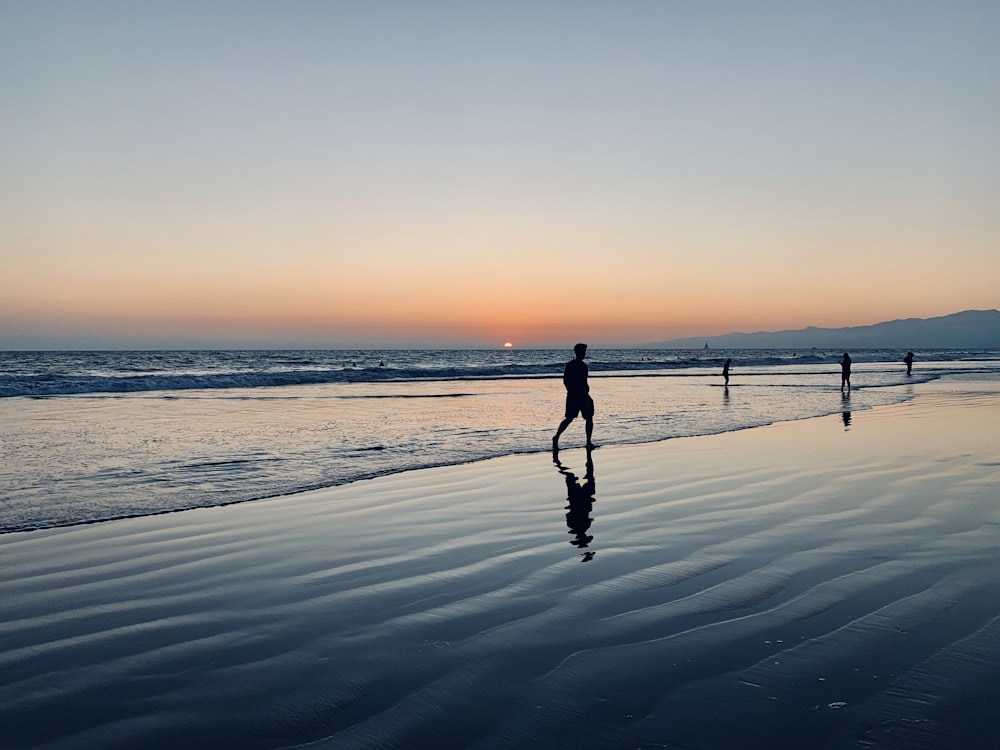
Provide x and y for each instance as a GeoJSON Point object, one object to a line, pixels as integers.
{"type": "Point", "coordinates": [578, 400]}
{"type": "Point", "coordinates": [845, 372]}
{"type": "Point", "coordinates": [581, 502]}
{"type": "Point", "coordinates": [908, 359]}
{"type": "Point", "coordinates": [725, 370]}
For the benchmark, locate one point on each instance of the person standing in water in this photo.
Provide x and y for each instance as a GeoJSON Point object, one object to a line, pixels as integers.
{"type": "Point", "coordinates": [908, 359]}
{"type": "Point", "coordinates": [578, 400]}
{"type": "Point", "coordinates": [845, 372]}
{"type": "Point", "coordinates": [725, 370]}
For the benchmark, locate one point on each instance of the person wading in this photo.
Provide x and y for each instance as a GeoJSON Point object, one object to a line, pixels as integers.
{"type": "Point", "coordinates": [578, 400]}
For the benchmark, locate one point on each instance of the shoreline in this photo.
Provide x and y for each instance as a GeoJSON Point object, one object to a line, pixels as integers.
{"type": "Point", "coordinates": [86, 458]}
{"type": "Point", "coordinates": [825, 580]}
{"type": "Point", "coordinates": [544, 448]}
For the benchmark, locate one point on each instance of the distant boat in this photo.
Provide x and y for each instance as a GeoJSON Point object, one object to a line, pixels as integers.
{"type": "Point", "coordinates": [706, 345]}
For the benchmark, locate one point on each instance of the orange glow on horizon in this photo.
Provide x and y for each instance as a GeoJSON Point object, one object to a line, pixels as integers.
{"type": "Point", "coordinates": [459, 307]}
{"type": "Point", "coordinates": [244, 318]}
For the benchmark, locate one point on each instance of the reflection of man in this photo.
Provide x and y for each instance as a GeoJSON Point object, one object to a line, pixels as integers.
{"type": "Point", "coordinates": [578, 400]}
{"type": "Point", "coordinates": [581, 503]}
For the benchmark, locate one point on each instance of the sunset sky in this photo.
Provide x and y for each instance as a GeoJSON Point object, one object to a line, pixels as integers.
{"type": "Point", "coordinates": [340, 174]}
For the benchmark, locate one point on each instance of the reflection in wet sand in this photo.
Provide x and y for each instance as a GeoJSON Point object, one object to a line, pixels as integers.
{"type": "Point", "coordinates": [580, 497]}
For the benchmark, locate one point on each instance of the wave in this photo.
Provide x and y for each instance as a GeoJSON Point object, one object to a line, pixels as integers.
{"type": "Point", "coordinates": [44, 374]}
{"type": "Point", "coordinates": [47, 385]}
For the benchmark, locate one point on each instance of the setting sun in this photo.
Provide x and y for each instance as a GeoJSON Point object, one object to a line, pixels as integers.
{"type": "Point", "coordinates": [508, 345]}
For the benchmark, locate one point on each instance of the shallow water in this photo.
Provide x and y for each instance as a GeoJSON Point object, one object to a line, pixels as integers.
{"type": "Point", "coordinates": [95, 455]}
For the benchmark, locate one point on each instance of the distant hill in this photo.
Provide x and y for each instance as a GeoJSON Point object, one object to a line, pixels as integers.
{"type": "Point", "coordinates": [972, 329]}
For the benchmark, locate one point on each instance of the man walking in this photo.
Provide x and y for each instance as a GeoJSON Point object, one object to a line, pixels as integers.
{"type": "Point", "coordinates": [578, 400]}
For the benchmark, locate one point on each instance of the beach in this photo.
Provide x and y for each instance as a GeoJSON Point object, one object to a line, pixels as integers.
{"type": "Point", "coordinates": [828, 582]}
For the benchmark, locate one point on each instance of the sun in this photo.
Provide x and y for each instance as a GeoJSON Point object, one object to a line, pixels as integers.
{"type": "Point", "coordinates": [508, 345]}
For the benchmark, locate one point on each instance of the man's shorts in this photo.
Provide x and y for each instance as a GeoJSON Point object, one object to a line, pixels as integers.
{"type": "Point", "coordinates": [579, 404]}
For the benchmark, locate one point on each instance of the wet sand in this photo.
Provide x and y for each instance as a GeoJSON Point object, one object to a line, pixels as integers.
{"type": "Point", "coordinates": [824, 583]}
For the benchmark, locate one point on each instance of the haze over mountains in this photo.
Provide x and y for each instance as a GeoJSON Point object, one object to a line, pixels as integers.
{"type": "Point", "coordinates": [971, 329]}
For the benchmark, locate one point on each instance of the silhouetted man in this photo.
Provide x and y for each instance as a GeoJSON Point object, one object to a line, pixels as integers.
{"type": "Point", "coordinates": [578, 400]}
{"type": "Point", "coordinates": [845, 372]}
{"type": "Point", "coordinates": [725, 370]}
{"type": "Point", "coordinates": [908, 359]}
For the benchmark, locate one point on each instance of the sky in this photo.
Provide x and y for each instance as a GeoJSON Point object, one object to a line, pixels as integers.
{"type": "Point", "coordinates": [407, 174]}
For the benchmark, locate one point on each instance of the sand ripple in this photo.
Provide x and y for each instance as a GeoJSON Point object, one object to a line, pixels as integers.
{"type": "Point", "coordinates": [793, 586]}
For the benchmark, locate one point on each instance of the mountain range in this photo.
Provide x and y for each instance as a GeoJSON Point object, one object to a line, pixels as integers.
{"type": "Point", "coordinates": [971, 329]}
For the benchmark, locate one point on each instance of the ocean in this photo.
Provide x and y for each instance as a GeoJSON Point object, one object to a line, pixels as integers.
{"type": "Point", "coordinates": [92, 436]}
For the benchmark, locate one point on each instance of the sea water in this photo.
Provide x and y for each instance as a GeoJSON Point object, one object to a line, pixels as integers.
{"type": "Point", "coordinates": [91, 436]}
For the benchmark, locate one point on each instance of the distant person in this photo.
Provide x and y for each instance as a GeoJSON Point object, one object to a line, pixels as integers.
{"type": "Point", "coordinates": [725, 370]}
{"type": "Point", "coordinates": [578, 400]}
{"type": "Point", "coordinates": [908, 359]}
{"type": "Point", "coordinates": [845, 372]}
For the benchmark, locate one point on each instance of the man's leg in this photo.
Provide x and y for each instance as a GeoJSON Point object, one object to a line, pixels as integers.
{"type": "Point", "coordinates": [590, 431]}
{"type": "Point", "coordinates": [562, 428]}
